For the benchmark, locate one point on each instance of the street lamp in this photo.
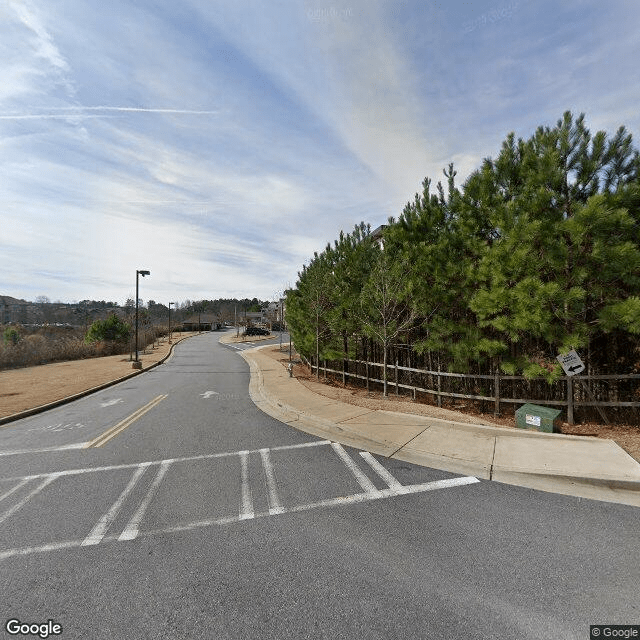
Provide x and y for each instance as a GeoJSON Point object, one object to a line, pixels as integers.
{"type": "Point", "coordinates": [137, 364]}
{"type": "Point", "coordinates": [170, 321]}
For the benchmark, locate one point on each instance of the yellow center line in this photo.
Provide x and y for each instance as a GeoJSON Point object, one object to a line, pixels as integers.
{"type": "Point", "coordinates": [123, 424]}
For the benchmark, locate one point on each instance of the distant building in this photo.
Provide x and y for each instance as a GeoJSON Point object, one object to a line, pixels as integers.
{"type": "Point", "coordinates": [377, 234]}
{"type": "Point", "coordinates": [202, 322]}
{"type": "Point", "coordinates": [275, 312]}
{"type": "Point", "coordinates": [255, 318]}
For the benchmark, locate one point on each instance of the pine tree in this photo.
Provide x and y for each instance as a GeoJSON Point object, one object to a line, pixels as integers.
{"type": "Point", "coordinates": [560, 254]}
{"type": "Point", "coordinates": [308, 307]}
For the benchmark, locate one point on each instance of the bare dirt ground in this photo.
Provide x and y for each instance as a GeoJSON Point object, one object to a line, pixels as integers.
{"type": "Point", "coordinates": [30, 387]}
{"type": "Point", "coordinates": [626, 436]}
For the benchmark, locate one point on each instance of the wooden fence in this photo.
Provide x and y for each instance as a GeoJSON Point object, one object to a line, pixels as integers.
{"type": "Point", "coordinates": [573, 386]}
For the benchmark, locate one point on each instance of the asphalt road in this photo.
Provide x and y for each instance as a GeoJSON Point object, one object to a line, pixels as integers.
{"type": "Point", "coordinates": [169, 506]}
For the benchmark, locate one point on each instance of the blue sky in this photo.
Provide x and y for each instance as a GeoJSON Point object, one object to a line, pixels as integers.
{"type": "Point", "coordinates": [219, 143]}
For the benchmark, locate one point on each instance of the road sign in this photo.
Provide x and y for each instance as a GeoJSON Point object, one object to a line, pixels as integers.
{"type": "Point", "coordinates": [571, 363]}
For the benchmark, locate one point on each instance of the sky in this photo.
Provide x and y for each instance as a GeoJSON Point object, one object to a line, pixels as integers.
{"type": "Point", "coordinates": [219, 143]}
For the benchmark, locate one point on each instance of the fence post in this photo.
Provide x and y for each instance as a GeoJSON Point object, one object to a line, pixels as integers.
{"type": "Point", "coordinates": [325, 368]}
{"type": "Point", "coordinates": [569, 400]}
{"type": "Point", "coordinates": [344, 378]}
{"type": "Point", "coordinates": [496, 391]}
{"type": "Point", "coordinates": [439, 388]}
{"type": "Point", "coordinates": [366, 367]}
{"type": "Point", "coordinates": [397, 387]}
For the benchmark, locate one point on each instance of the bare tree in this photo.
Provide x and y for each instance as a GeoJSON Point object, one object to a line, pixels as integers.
{"type": "Point", "coordinates": [383, 312]}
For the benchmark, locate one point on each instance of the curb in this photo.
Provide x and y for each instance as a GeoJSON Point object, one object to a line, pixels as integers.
{"type": "Point", "coordinates": [610, 489]}
{"type": "Point", "coordinates": [76, 396]}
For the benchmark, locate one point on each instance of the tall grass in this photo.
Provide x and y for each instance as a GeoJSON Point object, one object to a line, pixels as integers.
{"type": "Point", "coordinates": [57, 344]}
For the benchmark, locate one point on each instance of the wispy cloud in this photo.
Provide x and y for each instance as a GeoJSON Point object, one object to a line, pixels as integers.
{"type": "Point", "coordinates": [220, 144]}
{"type": "Point", "coordinates": [87, 112]}
{"type": "Point", "coordinates": [43, 45]}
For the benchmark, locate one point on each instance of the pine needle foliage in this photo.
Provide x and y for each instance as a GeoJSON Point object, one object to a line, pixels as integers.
{"type": "Point", "coordinates": [538, 252]}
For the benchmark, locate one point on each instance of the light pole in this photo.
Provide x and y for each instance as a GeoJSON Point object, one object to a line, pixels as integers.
{"type": "Point", "coordinates": [137, 364]}
{"type": "Point", "coordinates": [170, 321]}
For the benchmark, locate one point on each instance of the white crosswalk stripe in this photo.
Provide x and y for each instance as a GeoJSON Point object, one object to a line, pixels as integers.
{"type": "Point", "coordinates": [246, 503]}
{"type": "Point", "coordinates": [135, 492]}
{"type": "Point", "coordinates": [274, 500]}
{"type": "Point", "coordinates": [99, 531]}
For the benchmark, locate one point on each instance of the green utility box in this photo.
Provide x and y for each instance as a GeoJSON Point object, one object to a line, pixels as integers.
{"type": "Point", "coordinates": [532, 416]}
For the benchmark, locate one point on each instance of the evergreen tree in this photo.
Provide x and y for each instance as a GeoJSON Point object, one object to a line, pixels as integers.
{"type": "Point", "coordinates": [351, 260]}
{"type": "Point", "coordinates": [558, 253]}
{"type": "Point", "coordinates": [112, 329]}
{"type": "Point", "coordinates": [308, 308]}
{"type": "Point", "coordinates": [537, 253]}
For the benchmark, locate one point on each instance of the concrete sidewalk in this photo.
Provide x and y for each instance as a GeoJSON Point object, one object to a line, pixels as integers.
{"type": "Point", "coordinates": [571, 465]}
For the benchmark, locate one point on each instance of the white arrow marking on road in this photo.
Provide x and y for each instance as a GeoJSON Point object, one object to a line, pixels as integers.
{"type": "Point", "coordinates": [108, 403]}
{"type": "Point", "coordinates": [208, 394]}
{"type": "Point", "coordinates": [58, 427]}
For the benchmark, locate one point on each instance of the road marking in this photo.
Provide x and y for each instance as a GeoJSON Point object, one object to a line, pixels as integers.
{"type": "Point", "coordinates": [430, 486]}
{"type": "Point", "coordinates": [362, 479]}
{"type": "Point", "coordinates": [64, 447]}
{"type": "Point", "coordinates": [9, 512]}
{"type": "Point", "coordinates": [246, 502]}
{"type": "Point", "coordinates": [392, 483]}
{"type": "Point", "coordinates": [58, 427]}
{"type": "Point", "coordinates": [206, 456]}
{"type": "Point", "coordinates": [68, 544]}
{"type": "Point", "coordinates": [12, 490]}
{"type": "Point", "coordinates": [275, 506]}
{"type": "Point", "coordinates": [123, 424]}
{"type": "Point", "coordinates": [131, 530]}
{"type": "Point", "coordinates": [435, 485]}
{"type": "Point", "coordinates": [208, 394]}
{"type": "Point", "coordinates": [386, 493]}
{"type": "Point", "coordinates": [98, 532]}
{"type": "Point", "coordinates": [109, 403]}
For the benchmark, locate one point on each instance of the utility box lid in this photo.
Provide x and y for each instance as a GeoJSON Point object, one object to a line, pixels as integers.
{"type": "Point", "coordinates": [533, 416]}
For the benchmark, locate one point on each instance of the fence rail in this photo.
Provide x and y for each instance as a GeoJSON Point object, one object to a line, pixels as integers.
{"type": "Point", "coordinates": [569, 396]}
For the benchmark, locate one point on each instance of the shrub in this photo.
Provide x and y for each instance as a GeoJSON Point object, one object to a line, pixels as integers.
{"type": "Point", "coordinates": [112, 329]}
{"type": "Point", "coordinates": [11, 336]}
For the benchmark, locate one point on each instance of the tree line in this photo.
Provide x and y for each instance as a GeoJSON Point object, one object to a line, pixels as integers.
{"type": "Point", "coordinates": [537, 253]}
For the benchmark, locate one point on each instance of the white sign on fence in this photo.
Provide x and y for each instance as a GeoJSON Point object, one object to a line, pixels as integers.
{"type": "Point", "coordinates": [571, 363]}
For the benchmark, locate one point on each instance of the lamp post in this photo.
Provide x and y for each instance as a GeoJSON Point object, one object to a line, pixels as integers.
{"type": "Point", "coordinates": [170, 321]}
{"type": "Point", "coordinates": [137, 364]}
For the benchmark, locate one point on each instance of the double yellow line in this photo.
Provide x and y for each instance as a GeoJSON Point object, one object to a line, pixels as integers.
{"type": "Point", "coordinates": [123, 424]}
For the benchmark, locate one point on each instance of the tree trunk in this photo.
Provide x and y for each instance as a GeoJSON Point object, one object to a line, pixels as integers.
{"type": "Point", "coordinates": [384, 374]}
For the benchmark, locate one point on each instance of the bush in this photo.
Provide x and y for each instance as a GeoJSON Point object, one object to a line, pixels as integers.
{"type": "Point", "coordinates": [11, 336]}
{"type": "Point", "coordinates": [112, 329]}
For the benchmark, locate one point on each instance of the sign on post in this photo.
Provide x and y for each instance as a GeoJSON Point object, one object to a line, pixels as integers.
{"type": "Point", "coordinates": [571, 363]}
